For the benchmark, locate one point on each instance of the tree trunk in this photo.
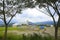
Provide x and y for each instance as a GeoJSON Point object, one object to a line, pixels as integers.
{"type": "Point", "coordinates": [56, 28]}
{"type": "Point", "coordinates": [56, 32]}
{"type": "Point", "coordinates": [5, 33]}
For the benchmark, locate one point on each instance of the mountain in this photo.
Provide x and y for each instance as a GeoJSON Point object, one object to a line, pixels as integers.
{"type": "Point", "coordinates": [1, 23]}
{"type": "Point", "coordinates": [12, 22]}
{"type": "Point", "coordinates": [46, 22]}
{"type": "Point", "coordinates": [30, 23]}
{"type": "Point", "coordinates": [38, 23]}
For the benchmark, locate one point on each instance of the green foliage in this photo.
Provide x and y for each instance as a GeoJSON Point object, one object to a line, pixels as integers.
{"type": "Point", "coordinates": [12, 28]}
{"type": "Point", "coordinates": [14, 36]}
{"type": "Point", "coordinates": [44, 1]}
{"type": "Point", "coordinates": [2, 28]}
{"type": "Point", "coordinates": [11, 7]}
{"type": "Point", "coordinates": [28, 37]}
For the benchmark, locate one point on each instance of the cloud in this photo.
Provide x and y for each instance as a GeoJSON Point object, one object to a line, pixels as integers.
{"type": "Point", "coordinates": [32, 15]}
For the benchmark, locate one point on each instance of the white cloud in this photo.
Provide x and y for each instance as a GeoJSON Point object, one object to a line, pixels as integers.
{"type": "Point", "coordinates": [32, 15]}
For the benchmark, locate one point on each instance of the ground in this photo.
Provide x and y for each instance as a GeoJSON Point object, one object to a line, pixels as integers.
{"type": "Point", "coordinates": [29, 30]}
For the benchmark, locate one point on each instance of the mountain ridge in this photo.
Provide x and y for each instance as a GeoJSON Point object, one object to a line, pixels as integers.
{"type": "Point", "coordinates": [30, 23]}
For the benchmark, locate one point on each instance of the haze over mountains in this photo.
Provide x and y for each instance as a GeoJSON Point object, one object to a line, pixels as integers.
{"type": "Point", "coordinates": [30, 23]}
{"type": "Point", "coordinates": [43, 23]}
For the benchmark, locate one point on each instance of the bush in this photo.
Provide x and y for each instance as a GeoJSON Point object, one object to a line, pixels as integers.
{"type": "Point", "coordinates": [28, 37]}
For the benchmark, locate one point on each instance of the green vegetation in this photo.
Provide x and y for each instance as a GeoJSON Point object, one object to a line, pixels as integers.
{"type": "Point", "coordinates": [28, 37]}
{"type": "Point", "coordinates": [13, 35]}
{"type": "Point", "coordinates": [12, 28]}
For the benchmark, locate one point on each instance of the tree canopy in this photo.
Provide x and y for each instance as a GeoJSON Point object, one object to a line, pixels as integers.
{"type": "Point", "coordinates": [9, 8]}
{"type": "Point", "coordinates": [55, 5]}
{"type": "Point", "coordinates": [12, 7]}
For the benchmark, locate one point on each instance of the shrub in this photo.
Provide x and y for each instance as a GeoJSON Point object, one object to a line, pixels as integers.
{"type": "Point", "coordinates": [28, 37]}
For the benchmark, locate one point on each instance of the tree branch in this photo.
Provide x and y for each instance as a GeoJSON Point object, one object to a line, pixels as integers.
{"type": "Point", "coordinates": [51, 15]}
{"type": "Point", "coordinates": [4, 13]}
{"type": "Point", "coordinates": [57, 10]}
{"type": "Point", "coordinates": [42, 12]}
{"type": "Point", "coordinates": [11, 18]}
{"type": "Point", "coordinates": [1, 18]}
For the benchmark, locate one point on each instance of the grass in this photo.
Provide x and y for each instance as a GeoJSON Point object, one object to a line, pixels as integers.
{"type": "Point", "coordinates": [28, 37]}
{"type": "Point", "coordinates": [14, 36]}
{"type": "Point", "coordinates": [2, 28]}
{"type": "Point", "coordinates": [11, 28]}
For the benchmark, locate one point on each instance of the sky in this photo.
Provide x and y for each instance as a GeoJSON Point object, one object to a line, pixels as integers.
{"type": "Point", "coordinates": [32, 15]}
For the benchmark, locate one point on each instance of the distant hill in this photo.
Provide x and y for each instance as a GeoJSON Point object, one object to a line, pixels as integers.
{"type": "Point", "coordinates": [1, 23]}
{"type": "Point", "coordinates": [12, 22]}
{"type": "Point", "coordinates": [38, 23]}
{"type": "Point", "coordinates": [30, 23]}
{"type": "Point", "coordinates": [46, 22]}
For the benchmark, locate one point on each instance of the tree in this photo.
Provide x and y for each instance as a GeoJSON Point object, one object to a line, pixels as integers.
{"type": "Point", "coordinates": [54, 4]}
{"type": "Point", "coordinates": [9, 8]}
{"type": "Point", "coordinates": [6, 11]}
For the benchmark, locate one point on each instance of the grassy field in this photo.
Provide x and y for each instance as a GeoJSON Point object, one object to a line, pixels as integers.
{"type": "Point", "coordinates": [16, 33]}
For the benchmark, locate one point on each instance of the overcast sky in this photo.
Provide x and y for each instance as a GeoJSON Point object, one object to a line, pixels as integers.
{"type": "Point", "coordinates": [32, 15]}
